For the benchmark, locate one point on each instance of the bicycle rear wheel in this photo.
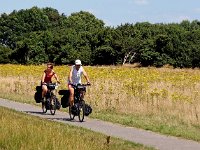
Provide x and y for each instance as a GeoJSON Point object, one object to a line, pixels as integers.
{"type": "Point", "coordinates": [53, 105]}
{"type": "Point", "coordinates": [81, 111]}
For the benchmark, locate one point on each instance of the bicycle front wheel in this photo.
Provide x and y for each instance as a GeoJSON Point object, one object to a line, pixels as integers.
{"type": "Point", "coordinates": [71, 116]}
{"type": "Point", "coordinates": [81, 111]}
{"type": "Point", "coordinates": [44, 110]}
{"type": "Point", "coordinates": [44, 103]}
{"type": "Point", "coordinates": [53, 105]}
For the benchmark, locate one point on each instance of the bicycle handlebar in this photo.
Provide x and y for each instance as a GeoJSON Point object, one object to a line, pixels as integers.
{"type": "Point", "coordinates": [75, 85]}
{"type": "Point", "coordinates": [79, 86]}
{"type": "Point", "coordinates": [52, 86]}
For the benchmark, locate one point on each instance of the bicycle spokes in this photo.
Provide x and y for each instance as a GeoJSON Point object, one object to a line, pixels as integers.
{"type": "Point", "coordinates": [44, 109]}
{"type": "Point", "coordinates": [53, 105]}
{"type": "Point", "coordinates": [70, 113]}
{"type": "Point", "coordinates": [81, 109]}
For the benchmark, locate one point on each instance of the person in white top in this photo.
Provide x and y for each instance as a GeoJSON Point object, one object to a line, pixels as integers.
{"type": "Point", "coordinates": [74, 78]}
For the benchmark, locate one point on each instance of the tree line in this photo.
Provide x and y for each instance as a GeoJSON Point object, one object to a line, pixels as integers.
{"type": "Point", "coordinates": [38, 35]}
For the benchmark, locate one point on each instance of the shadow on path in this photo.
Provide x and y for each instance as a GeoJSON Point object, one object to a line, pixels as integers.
{"type": "Point", "coordinates": [37, 112]}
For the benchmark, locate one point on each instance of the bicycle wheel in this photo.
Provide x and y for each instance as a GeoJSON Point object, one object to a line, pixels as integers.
{"type": "Point", "coordinates": [71, 116]}
{"type": "Point", "coordinates": [53, 105]}
{"type": "Point", "coordinates": [81, 111]}
{"type": "Point", "coordinates": [44, 109]}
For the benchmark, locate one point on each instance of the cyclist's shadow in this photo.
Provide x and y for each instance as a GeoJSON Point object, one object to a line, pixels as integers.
{"type": "Point", "coordinates": [52, 117]}
{"type": "Point", "coordinates": [64, 119]}
{"type": "Point", "coordinates": [35, 112]}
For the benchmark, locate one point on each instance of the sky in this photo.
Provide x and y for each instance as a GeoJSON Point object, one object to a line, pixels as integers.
{"type": "Point", "coordinates": [117, 12]}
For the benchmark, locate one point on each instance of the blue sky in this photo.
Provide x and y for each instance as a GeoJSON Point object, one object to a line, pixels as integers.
{"type": "Point", "coordinates": [117, 12]}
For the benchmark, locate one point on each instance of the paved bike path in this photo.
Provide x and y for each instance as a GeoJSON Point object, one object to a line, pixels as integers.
{"type": "Point", "coordinates": [147, 138]}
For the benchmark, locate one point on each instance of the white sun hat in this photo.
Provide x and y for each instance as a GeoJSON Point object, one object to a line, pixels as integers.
{"type": "Point", "coordinates": [78, 62]}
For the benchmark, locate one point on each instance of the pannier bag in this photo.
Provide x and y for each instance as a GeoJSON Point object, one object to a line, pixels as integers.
{"type": "Point", "coordinates": [65, 101]}
{"type": "Point", "coordinates": [88, 109]}
{"type": "Point", "coordinates": [63, 92]}
{"type": "Point", "coordinates": [75, 110]}
{"type": "Point", "coordinates": [64, 98]}
{"type": "Point", "coordinates": [38, 94]}
{"type": "Point", "coordinates": [48, 104]}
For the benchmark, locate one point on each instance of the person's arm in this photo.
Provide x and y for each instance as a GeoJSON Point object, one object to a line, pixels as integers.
{"type": "Point", "coordinates": [70, 75]}
{"type": "Point", "coordinates": [56, 77]}
{"type": "Point", "coordinates": [43, 77]}
{"type": "Point", "coordinates": [86, 76]}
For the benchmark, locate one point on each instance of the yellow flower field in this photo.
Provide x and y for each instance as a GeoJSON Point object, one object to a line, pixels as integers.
{"type": "Point", "coordinates": [128, 90]}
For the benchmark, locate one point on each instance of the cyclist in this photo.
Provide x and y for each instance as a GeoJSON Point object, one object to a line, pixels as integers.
{"type": "Point", "coordinates": [46, 78]}
{"type": "Point", "coordinates": [74, 78]}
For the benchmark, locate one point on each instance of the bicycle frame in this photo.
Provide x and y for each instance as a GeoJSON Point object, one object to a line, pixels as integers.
{"type": "Point", "coordinates": [79, 92]}
{"type": "Point", "coordinates": [50, 99]}
{"type": "Point", "coordinates": [79, 103]}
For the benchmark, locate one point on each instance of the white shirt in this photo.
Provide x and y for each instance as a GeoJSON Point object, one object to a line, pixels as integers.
{"type": "Point", "coordinates": [76, 74]}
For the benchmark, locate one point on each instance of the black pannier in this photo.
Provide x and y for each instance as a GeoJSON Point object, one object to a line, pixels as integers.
{"type": "Point", "coordinates": [75, 110]}
{"type": "Point", "coordinates": [88, 109]}
{"type": "Point", "coordinates": [63, 92]}
{"type": "Point", "coordinates": [64, 98]}
{"type": "Point", "coordinates": [38, 94]}
{"type": "Point", "coordinates": [65, 101]}
{"type": "Point", "coordinates": [47, 104]}
{"type": "Point", "coordinates": [38, 88]}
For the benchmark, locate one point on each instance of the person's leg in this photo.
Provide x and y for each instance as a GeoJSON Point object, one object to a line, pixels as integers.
{"type": "Point", "coordinates": [82, 94]}
{"type": "Point", "coordinates": [44, 91]}
{"type": "Point", "coordinates": [71, 95]}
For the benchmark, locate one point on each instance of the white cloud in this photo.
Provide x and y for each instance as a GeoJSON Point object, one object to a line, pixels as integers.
{"type": "Point", "coordinates": [141, 2]}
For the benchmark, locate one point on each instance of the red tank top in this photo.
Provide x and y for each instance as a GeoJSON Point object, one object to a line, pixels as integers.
{"type": "Point", "coordinates": [48, 77]}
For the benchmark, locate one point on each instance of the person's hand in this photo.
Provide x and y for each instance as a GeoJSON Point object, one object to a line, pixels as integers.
{"type": "Point", "coordinates": [88, 83]}
{"type": "Point", "coordinates": [44, 83]}
{"type": "Point", "coordinates": [70, 83]}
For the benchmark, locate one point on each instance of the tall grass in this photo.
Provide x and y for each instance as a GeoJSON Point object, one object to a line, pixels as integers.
{"type": "Point", "coordinates": [166, 94]}
{"type": "Point", "coordinates": [21, 131]}
{"type": "Point", "coordinates": [127, 90]}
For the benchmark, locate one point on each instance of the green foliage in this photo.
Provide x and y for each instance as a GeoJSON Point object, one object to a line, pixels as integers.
{"type": "Point", "coordinates": [5, 54]}
{"type": "Point", "coordinates": [104, 55]}
{"type": "Point", "coordinates": [38, 35]}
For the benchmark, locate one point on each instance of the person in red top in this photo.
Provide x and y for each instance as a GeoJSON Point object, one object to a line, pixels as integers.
{"type": "Point", "coordinates": [47, 78]}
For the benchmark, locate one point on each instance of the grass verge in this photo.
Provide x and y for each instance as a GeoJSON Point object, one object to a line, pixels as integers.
{"type": "Point", "coordinates": [159, 123]}
{"type": "Point", "coordinates": [25, 132]}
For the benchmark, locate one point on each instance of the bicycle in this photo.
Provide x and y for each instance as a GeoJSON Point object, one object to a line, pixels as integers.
{"type": "Point", "coordinates": [50, 99]}
{"type": "Point", "coordinates": [78, 108]}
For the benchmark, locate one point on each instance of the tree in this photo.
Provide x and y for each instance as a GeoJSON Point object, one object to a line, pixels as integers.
{"type": "Point", "coordinates": [5, 53]}
{"type": "Point", "coordinates": [104, 55]}
{"type": "Point", "coordinates": [30, 50]}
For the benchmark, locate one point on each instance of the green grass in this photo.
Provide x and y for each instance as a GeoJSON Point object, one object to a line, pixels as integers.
{"type": "Point", "coordinates": [25, 132]}
{"type": "Point", "coordinates": [161, 123]}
